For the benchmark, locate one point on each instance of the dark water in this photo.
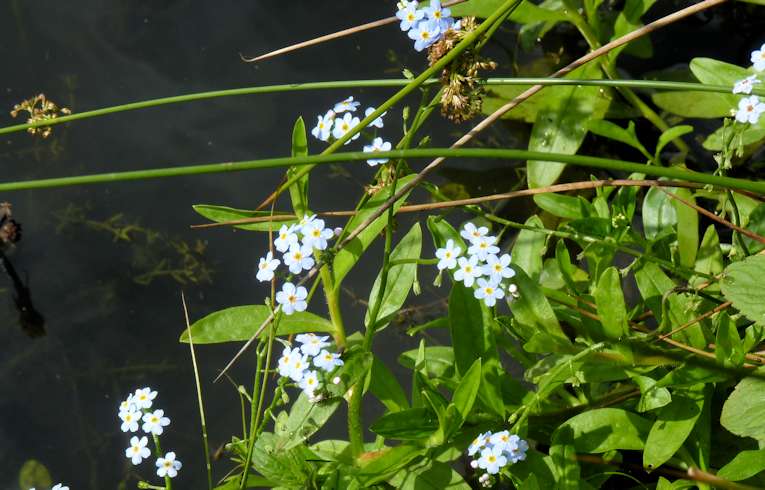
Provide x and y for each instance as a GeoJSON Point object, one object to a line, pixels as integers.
{"type": "Point", "coordinates": [106, 334]}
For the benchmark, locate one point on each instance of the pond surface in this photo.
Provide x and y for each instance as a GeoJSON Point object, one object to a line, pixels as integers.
{"type": "Point", "coordinates": [106, 333]}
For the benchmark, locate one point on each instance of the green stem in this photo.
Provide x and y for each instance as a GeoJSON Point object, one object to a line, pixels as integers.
{"type": "Point", "coordinates": [253, 416]}
{"type": "Point", "coordinates": [378, 83]}
{"type": "Point", "coordinates": [510, 154]}
{"type": "Point", "coordinates": [414, 261]}
{"type": "Point", "coordinates": [332, 294]}
{"type": "Point", "coordinates": [158, 452]}
{"type": "Point", "coordinates": [355, 429]}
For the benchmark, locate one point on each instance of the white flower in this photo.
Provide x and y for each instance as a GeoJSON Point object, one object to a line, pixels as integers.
{"type": "Point", "coordinates": [478, 443]}
{"type": "Point", "coordinates": [488, 291]}
{"type": "Point", "coordinates": [468, 270]}
{"type": "Point", "coordinates": [312, 344]}
{"type": "Point", "coordinates": [323, 127]}
{"type": "Point", "coordinates": [130, 420]}
{"type": "Point", "coordinates": [315, 235]}
{"type": "Point", "coordinates": [168, 466]}
{"type": "Point", "coordinates": [137, 451]}
{"type": "Point", "coordinates": [448, 255]}
{"type": "Point", "coordinates": [59, 486]}
{"type": "Point", "coordinates": [440, 15]}
{"type": "Point", "coordinates": [154, 422]}
{"type": "Point", "coordinates": [749, 110]}
{"type": "Point", "coordinates": [472, 233]}
{"type": "Point", "coordinates": [285, 362]}
{"type": "Point", "coordinates": [409, 15]}
{"type": "Point", "coordinates": [266, 267]}
{"type": "Point", "coordinates": [292, 298]}
{"type": "Point", "coordinates": [424, 34]}
{"type": "Point", "coordinates": [512, 290]}
{"type": "Point", "coordinates": [758, 58]}
{"type": "Point", "coordinates": [346, 105]}
{"type": "Point", "coordinates": [299, 258]}
{"type": "Point", "coordinates": [498, 268]}
{"type": "Point", "coordinates": [377, 145]}
{"type": "Point", "coordinates": [309, 383]}
{"type": "Point", "coordinates": [286, 238]}
{"type": "Point", "coordinates": [344, 125]}
{"type": "Point", "coordinates": [327, 360]}
{"type": "Point", "coordinates": [501, 439]}
{"type": "Point", "coordinates": [483, 246]}
{"type": "Point", "coordinates": [298, 365]}
{"type": "Point", "coordinates": [127, 405]}
{"type": "Point", "coordinates": [746, 85]}
{"type": "Point", "coordinates": [517, 449]}
{"type": "Point", "coordinates": [492, 460]}
{"type": "Point", "coordinates": [143, 398]}
{"type": "Point", "coordinates": [377, 123]}
{"type": "Point", "coordinates": [306, 220]}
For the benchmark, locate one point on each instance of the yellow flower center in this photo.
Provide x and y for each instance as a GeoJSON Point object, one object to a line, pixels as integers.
{"type": "Point", "coordinates": [425, 35]}
{"type": "Point", "coordinates": [437, 14]}
{"type": "Point", "coordinates": [448, 254]}
{"type": "Point", "coordinates": [489, 290]}
{"type": "Point", "coordinates": [168, 464]}
{"type": "Point", "coordinates": [410, 17]}
{"type": "Point", "coordinates": [750, 108]}
{"type": "Point", "coordinates": [292, 298]}
{"type": "Point", "coordinates": [468, 268]}
{"type": "Point", "coordinates": [492, 458]}
{"type": "Point", "coordinates": [316, 233]}
{"type": "Point", "coordinates": [345, 127]}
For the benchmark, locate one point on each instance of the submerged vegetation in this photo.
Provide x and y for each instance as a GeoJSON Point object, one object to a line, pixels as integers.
{"type": "Point", "coordinates": [610, 333]}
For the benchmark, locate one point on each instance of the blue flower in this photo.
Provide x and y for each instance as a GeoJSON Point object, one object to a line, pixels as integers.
{"type": "Point", "coordinates": [409, 15]}
{"type": "Point", "coordinates": [424, 34]}
{"type": "Point", "coordinates": [440, 15]}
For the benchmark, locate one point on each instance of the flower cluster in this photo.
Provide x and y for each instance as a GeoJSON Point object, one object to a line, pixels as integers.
{"type": "Point", "coordinates": [138, 408]}
{"type": "Point", "coordinates": [751, 108]}
{"type": "Point", "coordinates": [427, 25]}
{"type": "Point", "coordinates": [297, 243]}
{"type": "Point", "coordinates": [482, 266]}
{"type": "Point", "coordinates": [331, 126]}
{"type": "Point", "coordinates": [297, 363]}
{"type": "Point", "coordinates": [496, 450]}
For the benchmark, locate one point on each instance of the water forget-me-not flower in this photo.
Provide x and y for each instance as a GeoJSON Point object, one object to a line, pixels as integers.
{"type": "Point", "coordinates": [409, 15]}
{"type": "Point", "coordinates": [746, 85]}
{"type": "Point", "coordinates": [266, 267]}
{"type": "Point", "coordinates": [168, 466]}
{"type": "Point", "coordinates": [749, 110]}
{"type": "Point", "coordinates": [346, 105]}
{"type": "Point", "coordinates": [137, 451]}
{"type": "Point", "coordinates": [758, 58]}
{"type": "Point", "coordinates": [344, 125]}
{"type": "Point", "coordinates": [292, 298]}
{"type": "Point", "coordinates": [377, 145]}
{"type": "Point", "coordinates": [424, 34]}
{"type": "Point", "coordinates": [323, 128]}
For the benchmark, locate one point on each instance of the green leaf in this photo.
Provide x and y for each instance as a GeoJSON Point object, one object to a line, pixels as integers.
{"type": "Point", "coordinates": [627, 21]}
{"type": "Point", "coordinates": [756, 225]}
{"type": "Point", "coordinates": [628, 136]}
{"type": "Point", "coordinates": [652, 396]}
{"type": "Point", "coordinates": [528, 249]}
{"type": "Point", "coordinates": [709, 259]}
{"type": "Point", "coordinates": [439, 361]}
{"type": "Point", "coordinates": [714, 72]}
{"type": "Point", "coordinates": [407, 425]}
{"type": "Point", "coordinates": [744, 411]}
{"type": "Point", "coordinates": [612, 309]}
{"type": "Point", "coordinates": [471, 325]}
{"type": "Point", "coordinates": [560, 205]}
{"type": "Point", "coordinates": [380, 465]}
{"type": "Point", "coordinates": [742, 285]}
{"type": "Point", "coordinates": [729, 350]}
{"type": "Point", "coordinates": [532, 308]}
{"type": "Point", "coordinates": [659, 213]}
{"type": "Point", "coordinates": [240, 323]}
{"type": "Point", "coordinates": [745, 465]}
{"type": "Point", "coordinates": [386, 388]}
{"type": "Point", "coordinates": [223, 214]}
{"type": "Point", "coordinates": [304, 420]}
{"type": "Point", "coordinates": [285, 467]}
{"type": "Point", "coordinates": [525, 13]}
{"type": "Point", "coordinates": [667, 136]}
{"type": "Point", "coordinates": [701, 105]}
{"type": "Point", "coordinates": [399, 281]}
{"type": "Point", "coordinates": [299, 190]}
{"type": "Point", "coordinates": [442, 231]}
{"type": "Point", "coordinates": [34, 474]}
{"type": "Point", "coordinates": [687, 227]}
{"type": "Point", "coordinates": [560, 125]}
{"type": "Point", "coordinates": [428, 475]}
{"type": "Point", "coordinates": [466, 392]}
{"type": "Point", "coordinates": [347, 257]}
{"type": "Point", "coordinates": [602, 430]}
{"type": "Point", "coordinates": [673, 425]}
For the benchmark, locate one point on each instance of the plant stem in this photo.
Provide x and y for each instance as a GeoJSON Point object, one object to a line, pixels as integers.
{"type": "Point", "coordinates": [375, 83]}
{"type": "Point", "coordinates": [332, 294]}
{"type": "Point", "coordinates": [509, 154]}
{"type": "Point", "coordinates": [205, 442]}
{"type": "Point", "coordinates": [253, 416]}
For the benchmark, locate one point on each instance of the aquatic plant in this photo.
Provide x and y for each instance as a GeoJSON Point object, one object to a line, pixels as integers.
{"type": "Point", "coordinates": [614, 335]}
